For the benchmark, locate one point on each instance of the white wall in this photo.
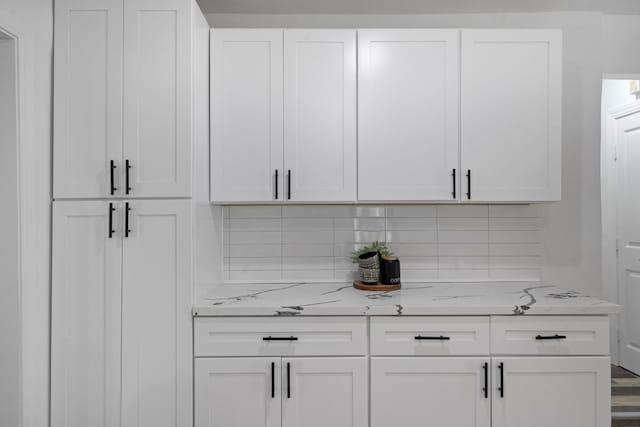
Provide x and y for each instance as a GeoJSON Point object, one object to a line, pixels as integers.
{"type": "Point", "coordinates": [9, 274]}
{"type": "Point", "coordinates": [571, 228]}
{"type": "Point", "coordinates": [32, 21]}
{"type": "Point", "coordinates": [620, 36]}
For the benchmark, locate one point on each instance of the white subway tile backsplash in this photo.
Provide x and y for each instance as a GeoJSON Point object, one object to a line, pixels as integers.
{"type": "Point", "coordinates": [448, 242]}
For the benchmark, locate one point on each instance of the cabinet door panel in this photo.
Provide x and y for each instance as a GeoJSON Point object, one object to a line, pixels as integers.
{"type": "Point", "coordinates": [408, 97]}
{"type": "Point", "coordinates": [246, 115]}
{"type": "Point", "coordinates": [511, 114]}
{"type": "Point", "coordinates": [237, 392]}
{"type": "Point", "coordinates": [324, 392]}
{"type": "Point", "coordinates": [85, 317]}
{"type": "Point", "coordinates": [552, 391]}
{"type": "Point", "coordinates": [320, 114]}
{"type": "Point", "coordinates": [156, 320]}
{"type": "Point", "coordinates": [444, 392]}
{"type": "Point", "coordinates": [88, 97]}
{"type": "Point", "coordinates": [157, 94]}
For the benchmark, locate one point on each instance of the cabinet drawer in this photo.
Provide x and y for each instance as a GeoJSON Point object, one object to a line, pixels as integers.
{"type": "Point", "coordinates": [306, 336]}
{"type": "Point", "coordinates": [550, 335]}
{"type": "Point", "coordinates": [429, 336]}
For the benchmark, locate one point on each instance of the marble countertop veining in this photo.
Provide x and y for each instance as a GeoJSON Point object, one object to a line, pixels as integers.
{"type": "Point", "coordinates": [341, 299]}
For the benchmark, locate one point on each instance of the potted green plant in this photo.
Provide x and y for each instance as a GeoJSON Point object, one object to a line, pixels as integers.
{"type": "Point", "coordinates": [368, 260]}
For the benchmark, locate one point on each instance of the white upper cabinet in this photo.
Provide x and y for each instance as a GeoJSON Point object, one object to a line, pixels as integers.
{"type": "Point", "coordinates": [320, 115]}
{"type": "Point", "coordinates": [157, 97]}
{"type": "Point", "coordinates": [122, 96]}
{"type": "Point", "coordinates": [87, 98]}
{"type": "Point", "coordinates": [283, 115]}
{"type": "Point", "coordinates": [408, 97]}
{"type": "Point", "coordinates": [246, 115]}
{"type": "Point", "coordinates": [511, 115]}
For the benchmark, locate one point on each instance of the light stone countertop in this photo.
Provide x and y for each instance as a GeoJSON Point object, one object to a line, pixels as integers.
{"type": "Point", "coordinates": [414, 299]}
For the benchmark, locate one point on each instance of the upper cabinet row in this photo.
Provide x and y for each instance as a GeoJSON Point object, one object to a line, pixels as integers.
{"type": "Point", "coordinates": [312, 116]}
{"type": "Point", "coordinates": [123, 98]}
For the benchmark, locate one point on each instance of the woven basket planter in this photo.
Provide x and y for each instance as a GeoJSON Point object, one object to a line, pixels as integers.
{"type": "Point", "coordinates": [369, 267]}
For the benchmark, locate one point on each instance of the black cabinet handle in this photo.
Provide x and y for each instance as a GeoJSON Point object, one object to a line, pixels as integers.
{"type": "Point", "coordinates": [276, 184]}
{"type": "Point", "coordinates": [270, 338]}
{"type": "Point", "coordinates": [440, 338]}
{"type": "Point", "coordinates": [485, 389]}
{"type": "Point", "coordinates": [112, 169]}
{"type": "Point", "coordinates": [453, 175]}
{"type": "Point", "coordinates": [469, 184]}
{"type": "Point", "coordinates": [273, 380]}
{"type": "Point", "coordinates": [289, 184]}
{"type": "Point", "coordinates": [111, 210]}
{"type": "Point", "coordinates": [127, 167]}
{"type": "Point", "coordinates": [501, 388]}
{"type": "Point", "coordinates": [551, 337]}
{"type": "Point", "coordinates": [126, 219]}
{"type": "Point", "coordinates": [288, 380]}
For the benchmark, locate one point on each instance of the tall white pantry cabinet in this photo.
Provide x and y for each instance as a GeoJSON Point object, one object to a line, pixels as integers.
{"type": "Point", "coordinates": [130, 88]}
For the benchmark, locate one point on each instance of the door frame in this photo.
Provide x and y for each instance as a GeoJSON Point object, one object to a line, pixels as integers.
{"type": "Point", "coordinates": [15, 37]}
{"type": "Point", "coordinates": [609, 208]}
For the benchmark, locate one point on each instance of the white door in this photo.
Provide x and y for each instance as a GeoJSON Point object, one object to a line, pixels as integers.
{"type": "Point", "coordinates": [408, 97]}
{"type": "Point", "coordinates": [511, 115]}
{"type": "Point", "coordinates": [157, 98]}
{"type": "Point", "coordinates": [237, 392]}
{"type": "Point", "coordinates": [246, 115]}
{"type": "Point", "coordinates": [628, 161]}
{"type": "Point", "coordinates": [85, 314]}
{"type": "Point", "coordinates": [88, 99]}
{"type": "Point", "coordinates": [444, 392]}
{"type": "Point", "coordinates": [320, 115]}
{"type": "Point", "coordinates": [551, 391]}
{"type": "Point", "coordinates": [156, 315]}
{"type": "Point", "coordinates": [320, 392]}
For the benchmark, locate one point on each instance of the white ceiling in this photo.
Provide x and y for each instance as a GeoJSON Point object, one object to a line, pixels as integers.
{"type": "Point", "coordinates": [415, 6]}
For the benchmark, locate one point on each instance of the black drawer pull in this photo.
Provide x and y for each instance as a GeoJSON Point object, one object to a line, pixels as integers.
{"type": "Point", "coordinates": [127, 168]}
{"type": "Point", "coordinates": [453, 175]}
{"type": "Point", "coordinates": [469, 184]}
{"type": "Point", "coordinates": [111, 210]}
{"type": "Point", "coordinates": [288, 380]}
{"type": "Point", "coordinates": [270, 338]}
{"type": "Point", "coordinates": [440, 338]}
{"type": "Point", "coordinates": [501, 388]}
{"type": "Point", "coordinates": [485, 389]}
{"type": "Point", "coordinates": [289, 184]}
{"type": "Point", "coordinates": [112, 169]}
{"type": "Point", "coordinates": [277, 184]}
{"type": "Point", "coordinates": [551, 337]}
{"type": "Point", "coordinates": [273, 380]}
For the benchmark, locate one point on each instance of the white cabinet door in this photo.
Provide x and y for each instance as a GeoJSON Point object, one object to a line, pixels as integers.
{"type": "Point", "coordinates": [408, 97]}
{"type": "Point", "coordinates": [157, 97]}
{"type": "Point", "coordinates": [511, 114]}
{"type": "Point", "coordinates": [320, 115]}
{"type": "Point", "coordinates": [444, 392]}
{"type": "Point", "coordinates": [320, 392]}
{"type": "Point", "coordinates": [237, 392]}
{"type": "Point", "coordinates": [551, 391]}
{"type": "Point", "coordinates": [156, 315]}
{"type": "Point", "coordinates": [85, 317]}
{"type": "Point", "coordinates": [88, 98]}
{"type": "Point", "coordinates": [246, 115]}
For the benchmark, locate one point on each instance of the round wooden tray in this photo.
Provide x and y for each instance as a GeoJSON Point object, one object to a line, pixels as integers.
{"type": "Point", "coordinates": [359, 284]}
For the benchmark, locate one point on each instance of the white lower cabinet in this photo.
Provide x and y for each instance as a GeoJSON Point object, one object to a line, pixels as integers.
{"type": "Point", "coordinates": [243, 392]}
{"type": "Point", "coordinates": [442, 392]}
{"type": "Point", "coordinates": [121, 322]}
{"type": "Point", "coordinates": [320, 392]}
{"type": "Point", "coordinates": [551, 391]}
{"type": "Point", "coordinates": [424, 371]}
{"type": "Point", "coordinates": [288, 392]}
